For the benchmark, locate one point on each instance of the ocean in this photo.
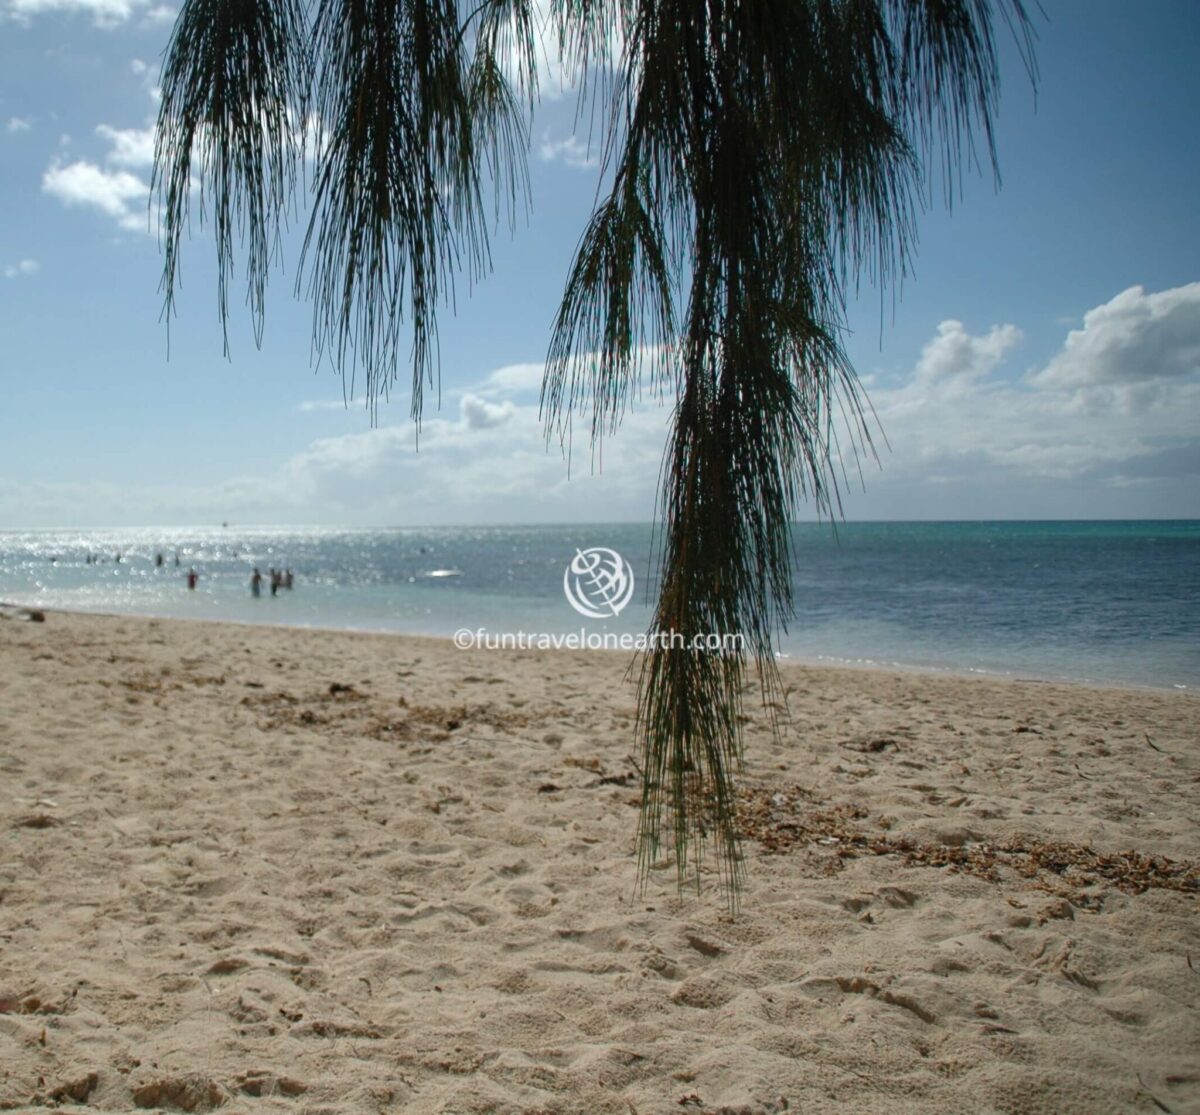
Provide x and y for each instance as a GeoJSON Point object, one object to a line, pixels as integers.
{"type": "Point", "coordinates": [1082, 601]}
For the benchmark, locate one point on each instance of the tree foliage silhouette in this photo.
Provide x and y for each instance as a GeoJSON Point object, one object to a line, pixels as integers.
{"type": "Point", "coordinates": [760, 157]}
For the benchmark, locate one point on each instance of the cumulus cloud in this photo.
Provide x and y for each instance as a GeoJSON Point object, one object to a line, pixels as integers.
{"type": "Point", "coordinates": [118, 194]}
{"type": "Point", "coordinates": [555, 79]}
{"type": "Point", "coordinates": [18, 124]}
{"type": "Point", "coordinates": [130, 146]}
{"type": "Point", "coordinates": [955, 355]}
{"type": "Point", "coordinates": [147, 75]}
{"type": "Point", "coordinates": [479, 414]}
{"type": "Point", "coordinates": [1136, 338]}
{"type": "Point", "coordinates": [489, 465]}
{"type": "Point", "coordinates": [21, 267]}
{"type": "Point", "coordinates": [105, 14]}
{"type": "Point", "coordinates": [514, 378]}
{"type": "Point", "coordinates": [1115, 406]}
{"type": "Point", "coordinates": [569, 151]}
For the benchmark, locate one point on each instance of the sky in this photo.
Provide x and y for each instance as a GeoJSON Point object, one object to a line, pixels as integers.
{"type": "Point", "coordinates": [1041, 361]}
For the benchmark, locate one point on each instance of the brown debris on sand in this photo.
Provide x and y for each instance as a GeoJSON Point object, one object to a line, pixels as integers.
{"type": "Point", "coordinates": [16, 611]}
{"type": "Point", "coordinates": [784, 819]}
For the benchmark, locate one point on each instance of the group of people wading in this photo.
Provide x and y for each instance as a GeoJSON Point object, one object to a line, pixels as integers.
{"type": "Point", "coordinates": [279, 578]}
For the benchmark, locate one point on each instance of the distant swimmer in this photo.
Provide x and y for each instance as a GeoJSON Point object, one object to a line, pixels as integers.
{"type": "Point", "coordinates": [287, 579]}
{"type": "Point", "coordinates": [158, 560]}
{"type": "Point", "coordinates": [276, 581]}
{"type": "Point", "coordinates": [256, 583]}
{"type": "Point", "coordinates": [192, 577]}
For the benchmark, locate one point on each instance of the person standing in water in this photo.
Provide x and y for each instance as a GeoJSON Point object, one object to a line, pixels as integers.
{"type": "Point", "coordinates": [192, 577]}
{"type": "Point", "coordinates": [256, 582]}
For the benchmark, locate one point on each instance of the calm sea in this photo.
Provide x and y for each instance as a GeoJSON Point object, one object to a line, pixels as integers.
{"type": "Point", "coordinates": [1101, 601]}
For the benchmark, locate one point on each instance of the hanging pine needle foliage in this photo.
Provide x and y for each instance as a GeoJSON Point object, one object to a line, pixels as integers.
{"type": "Point", "coordinates": [761, 158]}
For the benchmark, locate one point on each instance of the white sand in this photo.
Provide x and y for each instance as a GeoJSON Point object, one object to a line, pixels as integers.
{"type": "Point", "coordinates": [222, 884]}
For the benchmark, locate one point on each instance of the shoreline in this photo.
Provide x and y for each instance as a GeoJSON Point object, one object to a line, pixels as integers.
{"type": "Point", "coordinates": [783, 660]}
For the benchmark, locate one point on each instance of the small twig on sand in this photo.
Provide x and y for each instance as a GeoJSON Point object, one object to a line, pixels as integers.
{"type": "Point", "coordinates": [1152, 743]}
{"type": "Point", "coordinates": [475, 737]}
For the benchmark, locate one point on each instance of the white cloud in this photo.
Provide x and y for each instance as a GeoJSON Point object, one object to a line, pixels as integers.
{"type": "Point", "coordinates": [955, 355]}
{"type": "Point", "coordinates": [556, 78]}
{"type": "Point", "coordinates": [18, 124]}
{"type": "Point", "coordinates": [479, 414]}
{"type": "Point", "coordinates": [1115, 404]}
{"type": "Point", "coordinates": [569, 151]}
{"type": "Point", "coordinates": [21, 267]}
{"type": "Point", "coordinates": [130, 146]}
{"type": "Point", "coordinates": [492, 464]}
{"type": "Point", "coordinates": [106, 14]}
{"type": "Point", "coordinates": [1134, 339]}
{"type": "Point", "coordinates": [515, 377]}
{"type": "Point", "coordinates": [148, 77]}
{"type": "Point", "coordinates": [118, 194]}
{"type": "Point", "coordinates": [528, 377]}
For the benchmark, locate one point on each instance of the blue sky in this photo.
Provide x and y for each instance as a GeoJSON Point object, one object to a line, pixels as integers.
{"type": "Point", "coordinates": [1043, 360]}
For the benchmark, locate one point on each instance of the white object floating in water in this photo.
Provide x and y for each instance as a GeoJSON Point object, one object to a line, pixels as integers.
{"type": "Point", "coordinates": [444, 573]}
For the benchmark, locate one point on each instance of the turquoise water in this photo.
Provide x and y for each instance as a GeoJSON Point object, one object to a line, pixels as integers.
{"type": "Point", "coordinates": [1100, 601]}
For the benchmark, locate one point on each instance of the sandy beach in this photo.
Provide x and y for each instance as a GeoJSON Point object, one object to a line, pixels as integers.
{"type": "Point", "coordinates": [274, 870]}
